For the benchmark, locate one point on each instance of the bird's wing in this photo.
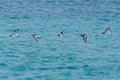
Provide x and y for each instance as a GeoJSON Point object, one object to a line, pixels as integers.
{"type": "Point", "coordinates": [35, 38]}
{"type": "Point", "coordinates": [15, 31]}
{"type": "Point", "coordinates": [107, 29]}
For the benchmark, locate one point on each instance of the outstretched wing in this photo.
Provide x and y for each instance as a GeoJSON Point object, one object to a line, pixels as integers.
{"type": "Point", "coordinates": [35, 37]}
{"type": "Point", "coordinates": [15, 31]}
{"type": "Point", "coordinates": [107, 29]}
{"type": "Point", "coordinates": [85, 38]}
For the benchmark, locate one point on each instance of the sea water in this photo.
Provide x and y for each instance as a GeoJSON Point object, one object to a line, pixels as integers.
{"type": "Point", "coordinates": [60, 58]}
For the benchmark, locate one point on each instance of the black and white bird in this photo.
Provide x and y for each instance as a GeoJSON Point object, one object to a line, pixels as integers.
{"type": "Point", "coordinates": [61, 34]}
{"type": "Point", "coordinates": [84, 36]}
{"type": "Point", "coordinates": [36, 37]}
{"type": "Point", "coordinates": [14, 33]}
{"type": "Point", "coordinates": [107, 31]}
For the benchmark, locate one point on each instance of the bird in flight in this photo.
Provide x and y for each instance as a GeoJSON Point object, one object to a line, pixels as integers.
{"type": "Point", "coordinates": [107, 31]}
{"type": "Point", "coordinates": [84, 36]}
{"type": "Point", "coordinates": [36, 37]}
{"type": "Point", "coordinates": [14, 33]}
{"type": "Point", "coordinates": [61, 34]}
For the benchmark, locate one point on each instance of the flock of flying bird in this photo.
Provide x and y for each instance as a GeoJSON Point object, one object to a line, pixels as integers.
{"type": "Point", "coordinates": [36, 36]}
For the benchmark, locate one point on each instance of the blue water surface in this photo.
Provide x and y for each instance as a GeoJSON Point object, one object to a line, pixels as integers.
{"type": "Point", "coordinates": [60, 58]}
